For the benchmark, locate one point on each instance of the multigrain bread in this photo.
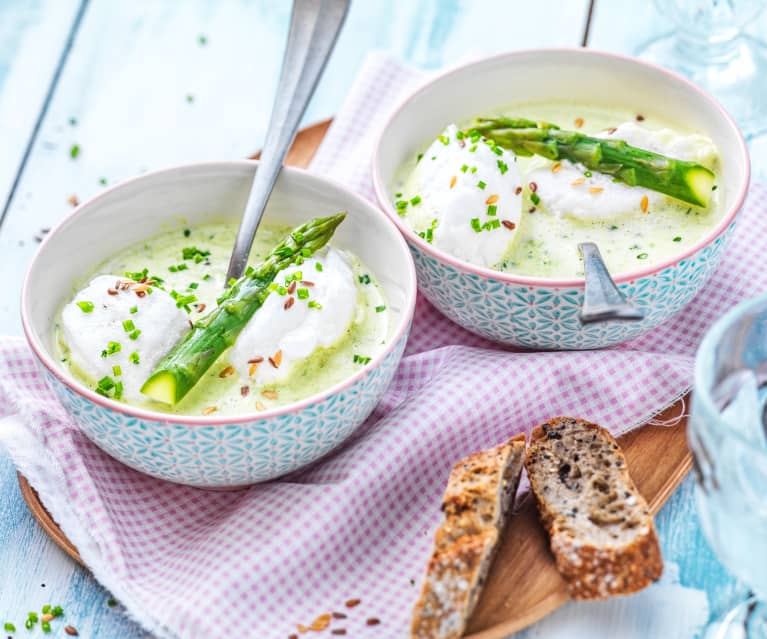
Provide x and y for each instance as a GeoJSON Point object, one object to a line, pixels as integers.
{"type": "Point", "coordinates": [602, 534]}
{"type": "Point", "coordinates": [479, 495]}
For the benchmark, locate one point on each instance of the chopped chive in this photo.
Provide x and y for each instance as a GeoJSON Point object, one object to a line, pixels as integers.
{"type": "Point", "coordinates": [281, 290]}
{"type": "Point", "coordinates": [472, 148]}
{"type": "Point", "coordinates": [302, 293]}
{"type": "Point", "coordinates": [481, 185]}
{"type": "Point", "coordinates": [9, 627]}
{"type": "Point", "coordinates": [57, 611]}
{"type": "Point", "coordinates": [490, 225]}
{"type": "Point", "coordinates": [444, 139]}
{"type": "Point", "coordinates": [187, 232]}
{"type": "Point", "coordinates": [133, 357]}
{"type": "Point", "coordinates": [401, 206]}
{"type": "Point", "coordinates": [613, 227]}
{"type": "Point", "coordinates": [398, 195]}
{"type": "Point", "coordinates": [111, 349]}
{"type": "Point", "coordinates": [714, 188]}
{"type": "Point", "coordinates": [473, 169]}
{"type": "Point", "coordinates": [416, 200]}
{"type": "Point", "coordinates": [46, 626]}
{"type": "Point", "coordinates": [206, 277]}
{"type": "Point", "coordinates": [117, 371]}
{"type": "Point", "coordinates": [535, 198]}
{"type": "Point", "coordinates": [315, 304]}
{"type": "Point", "coordinates": [364, 278]}
{"type": "Point", "coordinates": [29, 624]}
{"type": "Point", "coordinates": [381, 308]}
{"type": "Point", "coordinates": [128, 325]}
{"type": "Point", "coordinates": [492, 209]}
{"type": "Point", "coordinates": [459, 135]}
{"type": "Point", "coordinates": [32, 616]}
{"type": "Point", "coordinates": [103, 181]}
{"type": "Point", "coordinates": [105, 383]}
{"type": "Point", "coordinates": [86, 307]}
{"type": "Point", "coordinates": [202, 39]}
{"type": "Point", "coordinates": [419, 156]}
{"type": "Point", "coordinates": [46, 609]}
{"type": "Point", "coordinates": [111, 602]}
{"type": "Point", "coordinates": [464, 168]}
{"type": "Point", "coordinates": [192, 252]}
{"type": "Point", "coordinates": [678, 238]}
{"type": "Point", "coordinates": [193, 285]}
{"type": "Point", "coordinates": [642, 256]}
{"type": "Point", "coordinates": [74, 151]}
{"type": "Point", "coordinates": [476, 224]}
{"type": "Point", "coordinates": [306, 252]}
{"type": "Point", "coordinates": [118, 390]}
{"type": "Point", "coordinates": [134, 334]}
{"type": "Point", "coordinates": [361, 359]}
{"type": "Point", "coordinates": [502, 166]}
{"type": "Point", "coordinates": [318, 266]}
{"type": "Point", "coordinates": [587, 174]}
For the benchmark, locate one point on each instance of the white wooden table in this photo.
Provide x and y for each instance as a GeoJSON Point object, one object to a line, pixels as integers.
{"type": "Point", "coordinates": [136, 85]}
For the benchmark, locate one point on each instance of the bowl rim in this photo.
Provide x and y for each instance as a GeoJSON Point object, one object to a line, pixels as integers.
{"type": "Point", "coordinates": [578, 282]}
{"type": "Point", "coordinates": [79, 388]}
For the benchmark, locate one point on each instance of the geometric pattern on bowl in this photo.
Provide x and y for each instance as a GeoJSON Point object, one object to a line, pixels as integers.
{"type": "Point", "coordinates": [230, 455]}
{"type": "Point", "coordinates": [546, 318]}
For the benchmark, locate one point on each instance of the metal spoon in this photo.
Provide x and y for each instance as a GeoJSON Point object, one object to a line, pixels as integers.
{"type": "Point", "coordinates": [314, 28]}
{"type": "Point", "coordinates": [602, 301]}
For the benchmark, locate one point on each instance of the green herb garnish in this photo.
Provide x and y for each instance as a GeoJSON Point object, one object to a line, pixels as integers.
{"type": "Point", "coordinates": [86, 307]}
{"type": "Point", "coordinates": [361, 359]}
{"type": "Point", "coordinates": [381, 308]}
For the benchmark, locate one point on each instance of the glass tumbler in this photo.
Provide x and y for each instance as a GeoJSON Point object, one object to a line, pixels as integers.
{"type": "Point", "coordinates": [728, 439]}
{"type": "Point", "coordinates": [709, 46]}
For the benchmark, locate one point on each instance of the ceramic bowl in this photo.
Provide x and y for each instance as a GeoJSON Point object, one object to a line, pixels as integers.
{"type": "Point", "coordinates": [543, 313]}
{"type": "Point", "coordinates": [208, 451]}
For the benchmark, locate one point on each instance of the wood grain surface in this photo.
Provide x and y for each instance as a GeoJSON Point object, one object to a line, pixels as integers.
{"type": "Point", "coordinates": [523, 585]}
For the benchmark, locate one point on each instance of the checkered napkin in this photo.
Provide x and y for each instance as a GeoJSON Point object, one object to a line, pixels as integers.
{"type": "Point", "coordinates": [188, 563]}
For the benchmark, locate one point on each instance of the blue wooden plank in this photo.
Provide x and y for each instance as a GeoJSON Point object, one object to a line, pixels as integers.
{"type": "Point", "coordinates": [33, 35]}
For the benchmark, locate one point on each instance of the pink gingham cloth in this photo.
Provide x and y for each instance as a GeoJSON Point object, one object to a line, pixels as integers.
{"type": "Point", "coordinates": [188, 563]}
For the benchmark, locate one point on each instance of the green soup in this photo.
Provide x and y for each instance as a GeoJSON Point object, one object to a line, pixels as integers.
{"type": "Point", "coordinates": [205, 278]}
{"type": "Point", "coordinates": [546, 245]}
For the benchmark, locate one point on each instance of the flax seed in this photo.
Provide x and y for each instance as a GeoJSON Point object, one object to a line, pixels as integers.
{"type": "Point", "coordinates": [252, 369]}
{"type": "Point", "coordinates": [338, 615]}
{"type": "Point", "coordinates": [209, 410]}
{"type": "Point", "coordinates": [640, 117]}
{"type": "Point", "coordinates": [508, 224]}
{"type": "Point", "coordinates": [111, 291]}
{"type": "Point", "coordinates": [292, 287]}
{"type": "Point", "coordinates": [71, 631]}
{"type": "Point", "coordinates": [578, 182]}
{"type": "Point", "coordinates": [644, 204]}
{"type": "Point", "coordinates": [373, 621]}
{"type": "Point", "coordinates": [307, 283]}
{"type": "Point", "coordinates": [533, 187]}
{"type": "Point", "coordinates": [244, 391]}
{"type": "Point", "coordinates": [596, 189]}
{"type": "Point", "coordinates": [72, 199]}
{"type": "Point", "coordinates": [200, 307]}
{"type": "Point", "coordinates": [518, 190]}
{"type": "Point", "coordinates": [492, 199]}
{"type": "Point", "coordinates": [260, 406]}
{"type": "Point", "coordinates": [578, 123]}
{"type": "Point", "coordinates": [270, 394]}
{"type": "Point", "coordinates": [226, 372]}
{"type": "Point", "coordinates": [321, 622]}
{"type": "Point", "coordinates": [352, 602]}
{"type": "Point", "coordinates": [556, 167]}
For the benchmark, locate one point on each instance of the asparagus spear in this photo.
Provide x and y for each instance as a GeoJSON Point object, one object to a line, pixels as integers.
{"type": "Point", "coordinates": [687, 181]}
{"type": "Point", "coordinates": [177, 373]}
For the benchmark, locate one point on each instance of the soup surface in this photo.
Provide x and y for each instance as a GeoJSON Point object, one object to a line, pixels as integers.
{"type": "Point", "coordinates": [549, 220]}
{"type": "Point", "coordinates": [192, 264]}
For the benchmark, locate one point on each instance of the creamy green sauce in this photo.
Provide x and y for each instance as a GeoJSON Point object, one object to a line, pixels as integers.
{"type": "Point", "coordinates": [162, 255]}
{"type": "Point", "coordinates": [546, 245]}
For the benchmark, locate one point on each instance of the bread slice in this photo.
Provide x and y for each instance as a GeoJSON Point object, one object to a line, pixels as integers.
{"type": "Point", "coordinates": [602, 534]}
{"type": "Point", "coordinates": [479, 495]}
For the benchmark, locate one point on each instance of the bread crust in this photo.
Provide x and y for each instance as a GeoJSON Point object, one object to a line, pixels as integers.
{"type": "Point", "coordinates": [592, 571]}
{"type": "Point", "coordinates": [478, 497]}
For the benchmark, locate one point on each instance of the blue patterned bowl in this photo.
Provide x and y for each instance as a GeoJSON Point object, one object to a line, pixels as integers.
{"type": "Point", "coordinates": [542, 313]}
{"type": "Point", "coordinates": [207, 451]}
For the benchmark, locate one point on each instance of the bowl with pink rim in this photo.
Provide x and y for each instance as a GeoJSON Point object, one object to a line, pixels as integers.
{"type": "Point", "coordinates": [208, 450]}
{"type": "Point", "coordinates": [543, 312]}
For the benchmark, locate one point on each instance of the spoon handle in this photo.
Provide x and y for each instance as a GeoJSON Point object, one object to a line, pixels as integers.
{"type": "Point", "coordinates": [602, 301]}
{"type": "Point", "coordinates": [314, 28]}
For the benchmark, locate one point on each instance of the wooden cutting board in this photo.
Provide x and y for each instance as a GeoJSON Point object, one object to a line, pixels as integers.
{"type": "Point", "coordinates": [523, 585]}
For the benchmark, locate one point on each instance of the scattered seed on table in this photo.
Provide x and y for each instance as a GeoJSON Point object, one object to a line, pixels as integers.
{"type": "Point", "coordinates": [353, 602]}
